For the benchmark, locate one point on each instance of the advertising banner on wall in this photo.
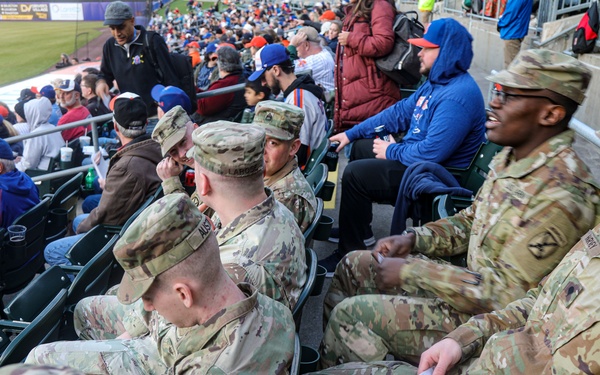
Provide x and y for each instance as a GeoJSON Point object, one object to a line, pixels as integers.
{"type": "Point", "coordinates": [24, 11]}
{"type": "Point", "coordinates": [66, 11]}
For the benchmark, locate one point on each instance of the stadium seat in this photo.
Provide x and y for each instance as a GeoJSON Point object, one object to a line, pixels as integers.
{"type": "Point", "coordinates": [311, 275]}
{"type": "Point", "coordinates": [316, 156]}
{"type": "Point", "coordinates": [317, 177]}
{"type": "Point", "coordinates": [65, 198]}
{"type": "Point", "coordinates": [310, 231]}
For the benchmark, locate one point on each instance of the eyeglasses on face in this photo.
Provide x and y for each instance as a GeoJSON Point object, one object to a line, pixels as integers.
{"type": "Point", "coordinates": [503, 96]}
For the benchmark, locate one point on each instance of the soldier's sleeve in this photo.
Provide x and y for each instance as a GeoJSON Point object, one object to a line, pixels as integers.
{"type": "Point", "coordinates": [257, 275]}
{"type": "Point", "coordinates": [172, 185]}
{"type": "Point", "coordinates": [473, 335]}
{"type": "Point", "coordinates": [137, 320]}
{"type": "Point", "coordinates": [446, 237]}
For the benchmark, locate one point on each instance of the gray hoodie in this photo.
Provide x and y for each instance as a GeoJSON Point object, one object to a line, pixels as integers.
{"type": "Point", "coordinates": [38, 151]}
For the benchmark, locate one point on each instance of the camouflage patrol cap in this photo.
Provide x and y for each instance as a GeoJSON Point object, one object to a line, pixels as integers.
{"type": "Point", "coordinates": [280, 120]}
{"type": "Point", "coordinates": [228, 148]}
{"type": "Point", "coordinates": [537, 69]}
{"type": "Point", "coordinates": [164, 234]}
{"type": "Point", "coordinates": [171, 128]}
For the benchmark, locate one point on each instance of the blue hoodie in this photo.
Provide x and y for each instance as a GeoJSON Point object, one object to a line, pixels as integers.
{"type": "Point", "coordinates": [444, 119]}
{"type": "Point", "coordinates": [18, 194]}
{"type": "Point", "coordinates": [514, 22]}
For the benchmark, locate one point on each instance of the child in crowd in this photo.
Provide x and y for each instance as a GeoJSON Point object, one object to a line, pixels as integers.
{"type": "Point", "coordinates": [253, 93]}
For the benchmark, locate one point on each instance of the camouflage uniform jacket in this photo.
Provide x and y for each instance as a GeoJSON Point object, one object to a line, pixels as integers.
{"type": "Point", "coordinates": [552, 330]}
{"type": "Point", "coordinates": [525, 218]}
{"type": "Point", "coordinates": [264, 247]}
{"type": "Point", "coordinates": [291, 188]}
{"type": "Point", "coordinates": [256, 335]}
{"type": "Point", "coordinates": [173, 185]}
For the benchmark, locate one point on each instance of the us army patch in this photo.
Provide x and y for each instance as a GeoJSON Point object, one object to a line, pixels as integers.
{"type": "Point", "coordinates": [544, 244]}
{"type": "Point", "coordinates": [591, 243]}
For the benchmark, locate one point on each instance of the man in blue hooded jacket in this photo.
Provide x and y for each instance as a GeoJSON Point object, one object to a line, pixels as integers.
{"type": "Point", "coordinates": [513, 25]}
{"type": "Point", "coordinates": [18, 192]}
{"type": "Point", "coordinates": [444, 121]}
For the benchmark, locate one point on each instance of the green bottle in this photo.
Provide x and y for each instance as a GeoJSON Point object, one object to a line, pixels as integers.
{"type": "Point", "coordinates": [89, 179]}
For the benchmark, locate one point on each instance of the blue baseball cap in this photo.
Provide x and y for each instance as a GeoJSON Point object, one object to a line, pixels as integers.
{"type": "Point", "coordinates": [206, 36]}
{"type": "Point", "coordinates": [169, 97]}
{"type": "Point", "coordinates": [48, 92]}
{"type": "Point", "coordinates": [271, 54]}
{"type": "Point", "coordinates": [5, 150]}
{"type": "Point", "coordinates": [212, 48]}
{"type": "Point", "coordinates": [433, 35]}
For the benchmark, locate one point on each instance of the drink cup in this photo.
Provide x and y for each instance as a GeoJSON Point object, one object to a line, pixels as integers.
{"type": "Point", "coordinates": [66, 153]}
{"type": "Point", "coordinates": [84, 141]}
{"type": "Point", "coordinates": [16, 233]}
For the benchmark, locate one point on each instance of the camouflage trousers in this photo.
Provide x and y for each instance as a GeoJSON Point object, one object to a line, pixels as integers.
{"type": "Point", "coordinates": [102, 318]}
{"type": "Point", "coordinates": [102, 357]}
{"type": "Point", "coordinates": [364, 324]}
{"type": "Point", "coordinates": [383, 368]}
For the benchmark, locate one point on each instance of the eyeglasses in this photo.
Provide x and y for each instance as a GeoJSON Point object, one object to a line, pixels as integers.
{"type": "Point", "coordinates": [503, 96]}
{"type": "Point", "coordinates": [214, 58]}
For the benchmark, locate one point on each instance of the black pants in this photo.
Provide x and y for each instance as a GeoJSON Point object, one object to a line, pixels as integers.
{"type": "Point", "coordinates": [365, 180]}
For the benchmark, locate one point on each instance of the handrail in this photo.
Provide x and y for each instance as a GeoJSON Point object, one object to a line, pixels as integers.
{"type": "Point", "coordinates": [555, 37]}
{"type": "Point", "coordinates": [584, 131]}
{"type": "Point", "coordinates": [61, 173]}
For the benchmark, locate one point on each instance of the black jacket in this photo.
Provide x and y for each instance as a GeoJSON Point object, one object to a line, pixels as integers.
{"type": "Point", "coordinates": [133, 69]}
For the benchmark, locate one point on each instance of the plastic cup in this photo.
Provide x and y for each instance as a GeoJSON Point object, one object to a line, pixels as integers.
{"type": "Point", "coordinates": [84, 141]}
{"type": "Point", "coordinates": [16, 233]}
{"type": "Point", "coordinates": [66, 153]}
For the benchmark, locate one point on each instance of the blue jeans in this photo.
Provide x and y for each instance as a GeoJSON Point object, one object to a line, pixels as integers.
{"type": "Point", "coordinates": [90, 202]}
{"type": "Point", "coordinates": [55, 251]}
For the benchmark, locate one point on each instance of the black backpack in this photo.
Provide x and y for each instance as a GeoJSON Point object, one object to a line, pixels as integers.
{"type": "Point", "coordinates": [586, 33]}
{"type": "Point", "coordinates": [182, 64]}
{"type": "Point", "coordinates": [402, 64]}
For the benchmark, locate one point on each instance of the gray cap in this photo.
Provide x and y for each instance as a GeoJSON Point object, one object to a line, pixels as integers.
{"type": "Point", "coordinates": [116, 13]}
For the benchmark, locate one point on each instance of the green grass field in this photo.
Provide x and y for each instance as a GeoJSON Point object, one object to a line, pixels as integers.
{"type": "Point", "coordinates": [30, 48]}
{"type": "Point", "coordinates": [182, 5]}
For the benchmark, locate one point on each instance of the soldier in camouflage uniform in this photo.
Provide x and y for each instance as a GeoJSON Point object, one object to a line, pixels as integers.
{"type": "Point", "coordinates": [538, 199]}
{"type": "Point", "coordinates": [174, 134]}
{"type": "Point", "coordinates": [282, 123]}
{"type": "Point", "coordinates": [171, 261]}
{"type": "Point", "coordinates": [259, 240]}
{"type": "Point", "coordinates": [23, 369]}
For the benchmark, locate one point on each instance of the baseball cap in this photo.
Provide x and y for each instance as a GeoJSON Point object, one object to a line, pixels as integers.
{"type": "Point", "coordinates": [170, 96]}
{"type": "Point", "coordinates": [327, 15]}
{"type": "Point", "coordinates": [3, 111]}
{"type": "Point", "coordinates": [193, 44]}
{"type": "Point", "coordinates": [280, 120]}
{"type": "Point", "coordinates": [69, 85]}
{"type": "Point", "coordinates": [256, 42]}
{"type": "Point", "coordinates": [228, 148]}
{"type": "Point", "coordinates": [5, 150]}
{"type": "Point", "coordinates": [273, 54]}
{"type": "Point", "coordinates": [171, 128]}
{"type": "Point", "coordinates": [537, 69]}
{"type": "Point", "coordinates": [162, 236]}
{"type": "Point", "coordinates": [206, 36]}
{"type": "Point", "coordinates": [129, 111]}
{"type": "Point", "coordinates": [48, 92]}
{"type": "Point", "coordinates": [116, 13]}
{"type": "Point", "coordinates": [433, 35]}
{"type": "Point", "coordinates": [212, 48]}
{"type": "Point", "coordinates": [26, 94]}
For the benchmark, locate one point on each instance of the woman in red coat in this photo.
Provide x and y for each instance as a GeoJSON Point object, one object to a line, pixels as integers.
{"type": "Point", "coordinates": [361, 89]}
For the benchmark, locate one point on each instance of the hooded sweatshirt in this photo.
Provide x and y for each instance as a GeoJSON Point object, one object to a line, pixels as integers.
{"type": "Point", "coordinates": [444, 119]}
{"type": "Point", "coordinates": [18, 194]}
{"type": "Point", "coordinates": [39, 150]}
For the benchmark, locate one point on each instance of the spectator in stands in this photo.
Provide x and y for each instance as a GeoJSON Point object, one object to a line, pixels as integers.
{"type": "Point", "coordinates": [277, 72]}
{"type": "Point", "coordinates": [254, 92]}
{"type": "Point", "coordinates": [194, 52]}
{"type": "Point", "coordinates": [513, 26]}
{"type": "Point", "coordinates": [18, 193]}
{"type": "Point", "coordinates": [169, 97]}
{"type": "Point", "coordinates": [444, 123]}
{"type": "Point", "coordinates": [332, 35]}
{"type": "Point", "coordinates": [172, 268]}
{"type": "Point", "coordinates": [6, 131]}
{"type": "Point", "coordinates": [7, 113]}
{"type": "Point", "coordinates": [282, 123]}
{"type": "Point", "coordinates": [227, 106]}
{"type": "Point", "coordinates": [256, 45]}
{"type": "Point", "coordinates": [131, 177]}
{"type": "Point", "coordinates": [70, 97]}
{"type": "Point", "coordinates": [38, 151]}
{"type": "Point", "coordinates": [26, 95]}
{"type": "Point", "coordinates": [48, 92]}
{"type": "Point", "coordinates": [126, 60]}
{"type": "Point", "coordinates": [307, 53]}
{"type": "Point", "coordinates": [94, 105]}
{"type": "Point", "coordinates": [208, 68]}
{"type": "Point", "coordinates": [21, 125]}
{"type": "Point", "coordinates": [361, 90]}
{"type": "Point", "coordinates": [521, 224]}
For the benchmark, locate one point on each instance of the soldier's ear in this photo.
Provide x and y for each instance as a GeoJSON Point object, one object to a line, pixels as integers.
{"type": "Point", "coordinates": [184, 293]}
{"type": "Point", "coordinates": [295, 147]}
{"type": "Point", "coordinates": [552, 114]}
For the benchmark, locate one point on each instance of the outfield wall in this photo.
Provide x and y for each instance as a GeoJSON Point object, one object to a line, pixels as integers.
{"type": "Point", "coordinates": [65, 11]}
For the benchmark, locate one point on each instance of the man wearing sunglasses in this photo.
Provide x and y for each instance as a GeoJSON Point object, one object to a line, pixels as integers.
{"type": "Point", "coordinates": [537, 201]}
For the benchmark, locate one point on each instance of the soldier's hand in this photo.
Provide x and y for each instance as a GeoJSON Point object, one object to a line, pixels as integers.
{"type": "Point", "coordinates": [168, 168]}
{"type": "Point", "coordinates": [387, 273]}
{"type": "Point", "coordinates": [443, 355]}
{"type": "Point", "coordinates": [396, 246]}
{"type": "Point", "coordinates": [343, 140]}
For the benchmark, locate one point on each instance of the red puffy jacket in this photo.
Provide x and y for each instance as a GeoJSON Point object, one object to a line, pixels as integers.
{"type": "Point", "coordinates": [361, 89]}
